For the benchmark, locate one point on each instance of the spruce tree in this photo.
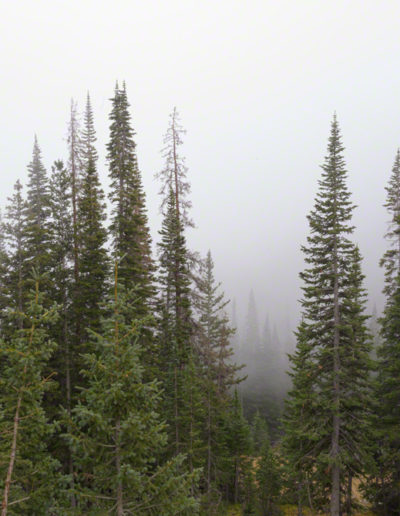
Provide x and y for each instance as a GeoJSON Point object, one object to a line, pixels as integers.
{"type": "Point", "coordinates": [27, 471]}
{"type": "Point", "coordinates": [117, 432]}
{"type": "Point", "coordinates": [332, 310]}
{"type": "Point", "coordinates": [15, 239]}
{"type": "Point", "coordinates": [384, 487]}
{"type": "Point", "coordinates": [239, 447]}
{"type": "Point", "coordinates": [268, 481]}
{"type": "Point", "coordinates": [64, 360]}
{"type": "Point", "coordinates": [219, 373]}
{"type": "Point", "coordinates": [174, 174]}
{"type": "Point", "coordinates": [175, 334]}
{"type": "Point", "coordinates": [37, 218]}
{"type": "Point", "coordinates": [131, 244]}
{"type": "Point", "coordinates": [3, 272]}
{"type": "Point", "coordinates": [92, 236]}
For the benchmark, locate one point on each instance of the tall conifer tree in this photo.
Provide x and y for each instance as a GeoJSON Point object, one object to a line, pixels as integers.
{"type": "Point", "coordinates": [175, 334]}
{"type": "Point", "coordinates": [37, 217]}
{"type": "Point", "coordinates": [332, 308]}
{"type": "Point", "coordinates": [219, 373]}
{"type": "Point", "coordinates": [15, 238]}
{"type": "Point", "coordinates": [92, 236]}
{"type": "Point", "coordinates": [131, 242]}
{"type": "Point", "coordinates": [385, 488]}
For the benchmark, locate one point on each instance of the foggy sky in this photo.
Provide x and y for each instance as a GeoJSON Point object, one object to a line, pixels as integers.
{"type": "Point", "coordinates": [256, 84]}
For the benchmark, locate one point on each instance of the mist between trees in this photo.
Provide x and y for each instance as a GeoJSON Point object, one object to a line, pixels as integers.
{"type": "Point", "coordinates": [126, 383]}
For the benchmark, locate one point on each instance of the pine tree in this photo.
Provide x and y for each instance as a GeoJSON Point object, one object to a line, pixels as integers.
{"type": "Point", "coordinates": [15, 239]}
{"type": "Point", "coordinates": [259, 431]}
{"type": "Point", "coordinates": [238, 442]}
{"type": "Point", "coordinates": [64, 360]}
{"type": "Point", "coordinates": [37, 218]}
{"type": "Point", "coordinates": [302, 436]}
{"type": "Point", "coordinates": [92, 236]}
{"type": "Point", "coordinates": [219, 373]}
{"type": "Point", "coordinates": [27, 471]}
{"type": "Point", "coordinates": [3, 272]}
{"type": "Point", "coordinates": [131, 242]}
{"type": "Point", "coordinates": [268, 481]}
{"type": "Point", "coordinates": [88, 137]}
{"type": "Point", "coordinates": [174, 174]}
{"type": "Point", "coordinates": [333, 308]}
{"type": "Point", "coordinates": [175, 335]}
{"type": "Point", "coordinates": [384, 487]}
{"type": "Point", "coordinates": [117, 432]}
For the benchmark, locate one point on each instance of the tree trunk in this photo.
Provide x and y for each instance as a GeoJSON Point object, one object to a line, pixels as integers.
{"type": "Point", "coordinates": [120, 503]}
{"type": "Point", "coordinates": [176, 410]}
{"type": "Point", "coordinates": [349, 494]}
{"type": "Point", "coordinates": [13, 453]}
{"type": "Point", "coordinates": [299, 501]}
{"type": "Point", "coordinates": [335, 449]}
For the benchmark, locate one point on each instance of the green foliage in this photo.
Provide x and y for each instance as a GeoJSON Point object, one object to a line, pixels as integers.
{"type": "Point", "coordinates": [239, 447]}
{"type": "Point", "coordinates": [383, 485]}
{"type": "Point", "coordinates": [92, 236]}
{"type": "Point", "coordinates": [27, 471]}
{"type": "Point", "coordinates": [259, 432]}
{"type": "Point", "coordinates": [218, 375]}
{"type": "Point", "coordinates": [326, 418]}
{"type": "Point", "coordinates": [117, 434]}
{"type": "Point", "coordinates": [129, 230]}
{"type": "Point", "coordinates": [37, 217]}
{"type": "Point", "coordinates": [15, 238]}
{"type": "Point", "coordinates": [268, 479]}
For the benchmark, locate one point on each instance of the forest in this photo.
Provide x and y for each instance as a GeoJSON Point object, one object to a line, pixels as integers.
{"type": "Point", "coordinates": [124, 387]}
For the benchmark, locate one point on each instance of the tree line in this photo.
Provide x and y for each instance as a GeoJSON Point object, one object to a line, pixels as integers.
{"type": "Point", "coordinates": [116, 378]}
{"type": "Point", "coordinates": [118, 387]}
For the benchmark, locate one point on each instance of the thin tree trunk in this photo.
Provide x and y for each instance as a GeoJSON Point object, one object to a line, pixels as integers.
{"type": "Point", "coordinates": [68, 392]}
{"type": "Point", "coordinates": [335, 450]}
{"type": "Point", "coordinates": [349, 494]}
{"type": "Point", "coordinates": [176, 410]}
{"type": "Point", "coordinates": [4, 504]}
{"type": "Point", "coordinates": [236, 486]}
{"type": "Point", "coordinates": [209, 444]}
{"type": "Point", "coordinates": [310, 503]}
{"type": "Point", "coordinates": [299, 501]}
{"type": "Point", "coordinates": [176, 179]}
{"type": "Point", "coordinates": [120, 502]}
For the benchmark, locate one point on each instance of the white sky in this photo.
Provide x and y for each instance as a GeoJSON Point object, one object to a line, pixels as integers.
{"type": "Point", "coordinates": [256, 84]}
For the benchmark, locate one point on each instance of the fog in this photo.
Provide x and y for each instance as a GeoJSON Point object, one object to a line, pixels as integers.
{"type": "Point", "coordinates": [256, 84]}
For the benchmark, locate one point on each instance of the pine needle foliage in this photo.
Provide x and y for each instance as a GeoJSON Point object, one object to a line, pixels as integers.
{"type": "Point", "coordinates": [27, 470]}
{"type": "Point", "coordinates": [334, 346]}
{"type": "Point", "coordinates": [117, 433]}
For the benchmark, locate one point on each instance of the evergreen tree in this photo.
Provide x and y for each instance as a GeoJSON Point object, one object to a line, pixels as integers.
{"type": "Point", "coordinates": [3, 272]}
{"type": "Point", "coordinates": [175, 335]}
{"type": "Point", "coordinates": [219, 373]}
{"type": "Point", "coordinates": [238, 442]}
{"type": "Point", "coordinates": [268, 482]}
{"type": "Point", "coordinates": [15, 238]}
{"type": "Point", "coordinates": [93, 260]}
{"type": "Point", "coordinates": [88, 137]}
{"type": "Point", "coordinates": [37, 218]}
{"type": "Point", "coordinates": [27, 471]}
{"type": "Point", "coordinates": [117, 432]}
{"type": "Point", "coordinates": [333, 328]}
{"type": "Point", "coordinates": [259, 431]}
{"type": "Point", "coordinates": [64, 360]}
{"type": "Point", "coordinates": [174, 174]}
{"type": "Point", "coordinates": [131, 242]}
{"type": "Point", "coordinates": [384, 489]}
